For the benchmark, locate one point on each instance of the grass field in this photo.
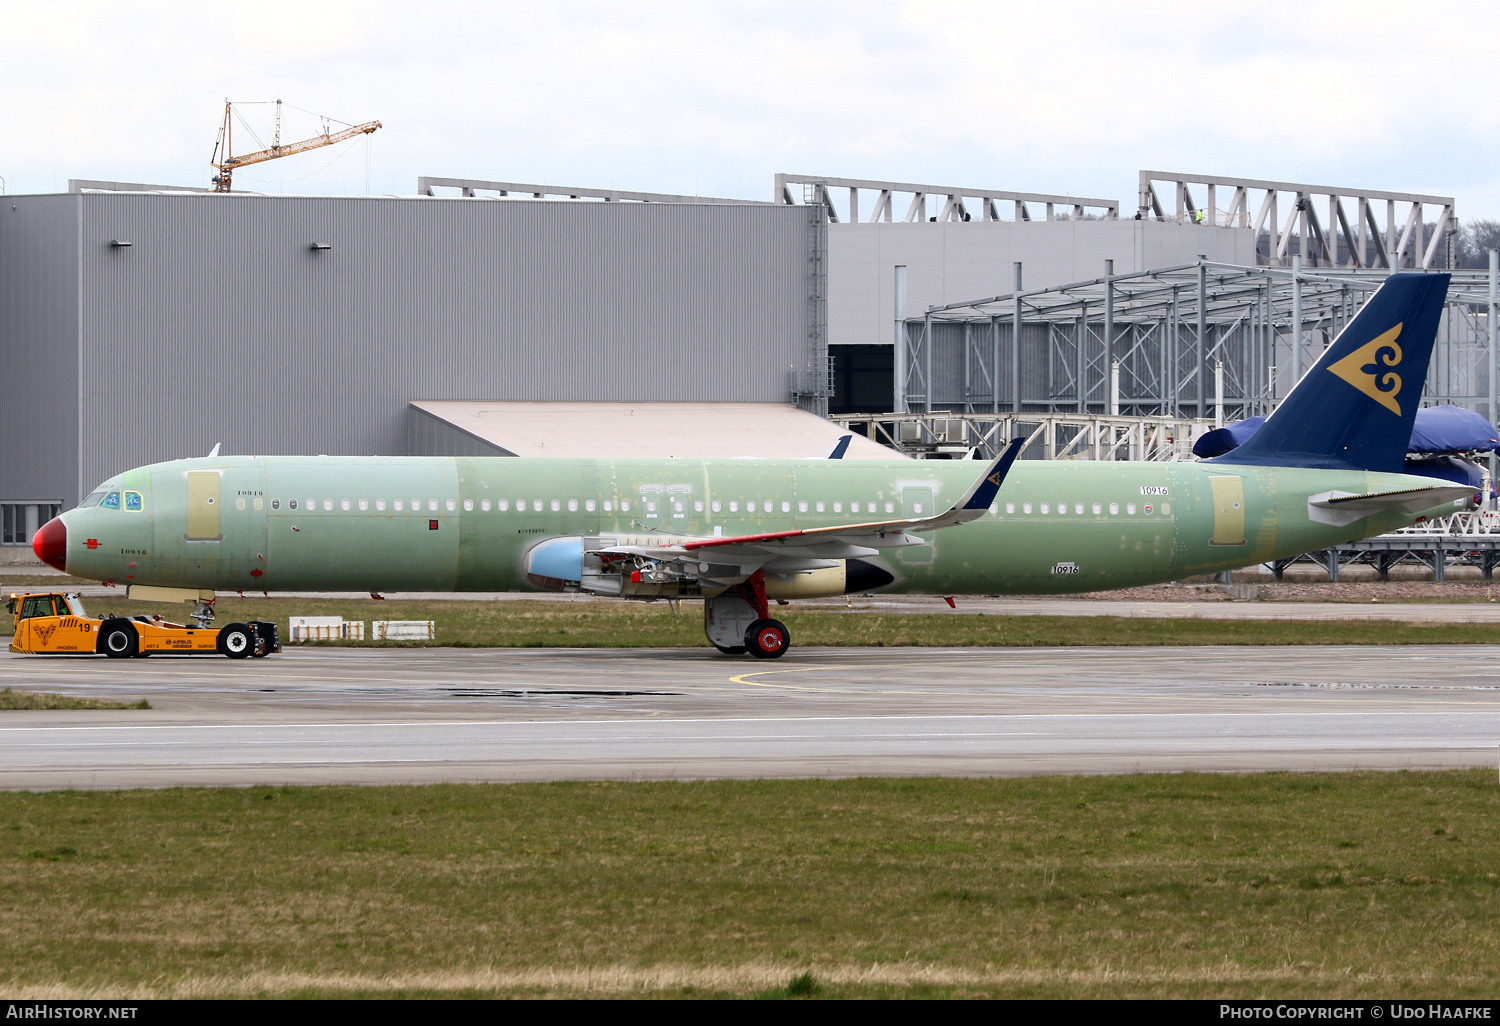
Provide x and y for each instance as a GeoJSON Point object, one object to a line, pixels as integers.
{"type": "Point", "coordinates": [1365, 884]}
{"type": "Point", "coordinates": [17, 700]}
{"type": "Point", "coordinates": [563, 624]}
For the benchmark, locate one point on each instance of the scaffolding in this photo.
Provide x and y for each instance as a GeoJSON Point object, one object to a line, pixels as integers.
{"type": "Point", "coordinates": [1194, 346]}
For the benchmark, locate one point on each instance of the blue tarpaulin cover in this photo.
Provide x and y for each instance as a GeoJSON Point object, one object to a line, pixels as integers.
{"type": "Point", "coordinates": [1447, 468]}
{"type": "Point", "coordinates": [1437, 429]}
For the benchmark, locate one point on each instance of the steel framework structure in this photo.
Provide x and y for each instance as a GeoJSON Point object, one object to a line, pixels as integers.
{"type": "Point", "coordinates": [1202, 342]}
{"type": "Point", "coordinates": [1338, 242]}
{"type": "Point", "coordinates": [828, 192]}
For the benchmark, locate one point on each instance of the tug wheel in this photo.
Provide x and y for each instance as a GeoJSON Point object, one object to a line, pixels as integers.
{"type": "Point", "coordinates": [767, 639]}
{"type": "Point", "coordinates": [118, 640]}
{"type": "Point", "coordinates": [236, 641]}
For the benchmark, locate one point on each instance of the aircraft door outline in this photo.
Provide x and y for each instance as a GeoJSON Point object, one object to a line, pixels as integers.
{"type": "Point", "coordinates": [1229, 510]}
{"type": "Point", "coordinates": [203, 506]}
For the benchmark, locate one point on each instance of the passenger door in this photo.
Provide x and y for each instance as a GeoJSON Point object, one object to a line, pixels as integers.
{"type": "Point", "coordinates": [203, 506]}
{"type": "Point", "coordinates": [1229, 510]}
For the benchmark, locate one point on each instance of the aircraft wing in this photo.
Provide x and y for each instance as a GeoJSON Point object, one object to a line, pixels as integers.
{"type": "Point", "coordinates": [1341, 508]}
{"type": "Point", "coordinates": [812, 548]}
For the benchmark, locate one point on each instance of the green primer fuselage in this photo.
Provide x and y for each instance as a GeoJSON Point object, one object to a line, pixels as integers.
{"type": "Point", "coordinates": [1055, 526]}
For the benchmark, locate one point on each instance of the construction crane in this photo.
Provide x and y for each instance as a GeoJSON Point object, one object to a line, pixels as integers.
{"type": "Point", "coordinates": [226, 162]}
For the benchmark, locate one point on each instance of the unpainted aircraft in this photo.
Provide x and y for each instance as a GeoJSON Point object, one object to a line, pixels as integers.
{"type": "Point", "coordinates": [741, 533]}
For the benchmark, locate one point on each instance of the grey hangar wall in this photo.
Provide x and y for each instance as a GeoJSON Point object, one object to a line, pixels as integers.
{"type": "Point", "coordinates": [220, 323]}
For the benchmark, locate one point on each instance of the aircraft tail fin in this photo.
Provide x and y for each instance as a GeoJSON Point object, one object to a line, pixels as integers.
{"type": "Point", "coordinates": [1354, 409]}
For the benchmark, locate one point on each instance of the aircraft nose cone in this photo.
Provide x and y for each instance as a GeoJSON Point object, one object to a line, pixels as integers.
{"type": "Point", "coordinates": [51, 544]}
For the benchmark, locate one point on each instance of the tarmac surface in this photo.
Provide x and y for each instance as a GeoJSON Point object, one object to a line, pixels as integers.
{"type": "Point", "coordinates": [328, 715]}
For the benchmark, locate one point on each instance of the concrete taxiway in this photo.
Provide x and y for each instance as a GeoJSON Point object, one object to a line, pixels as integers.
{"type": "Point", "coordinates": [420, 715]}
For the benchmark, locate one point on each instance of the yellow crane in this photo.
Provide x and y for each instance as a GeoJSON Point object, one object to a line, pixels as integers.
{"type": "Point", "coordinates": [226, 162]}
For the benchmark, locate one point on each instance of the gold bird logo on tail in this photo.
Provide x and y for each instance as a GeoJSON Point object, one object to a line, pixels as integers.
{"type": "Point", "coordinates": [1371, 369]}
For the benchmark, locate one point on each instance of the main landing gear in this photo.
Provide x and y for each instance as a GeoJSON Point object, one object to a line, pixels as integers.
{"type": "Point", "coordinates": [739, 621]}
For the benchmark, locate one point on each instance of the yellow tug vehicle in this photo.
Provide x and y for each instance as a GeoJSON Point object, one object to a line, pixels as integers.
{"type": "Point", "coordinates": [54, 623]}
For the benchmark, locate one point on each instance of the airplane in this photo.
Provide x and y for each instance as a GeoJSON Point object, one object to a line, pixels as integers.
{"type": "Point", "coordinates": [1325, 469]}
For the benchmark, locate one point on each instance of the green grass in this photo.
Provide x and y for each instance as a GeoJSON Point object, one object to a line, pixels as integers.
{"type": "Point", "coordinates": [562, 624]}
{"type": "Point", "coordinates": [1268, 885]}
{"type": "Point", "coordinates": [18, 700]}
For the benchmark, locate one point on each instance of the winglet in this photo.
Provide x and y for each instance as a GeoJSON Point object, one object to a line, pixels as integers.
{"type": "Point", "coordinates": [982, 493]}
{"type": "Point", "coordinates": [841, 448]}
{"type": "Point", "coordinates": [215, 450]}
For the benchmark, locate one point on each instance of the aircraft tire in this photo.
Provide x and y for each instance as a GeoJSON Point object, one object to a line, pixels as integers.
{"type": "Point", "coordinates": [767, 639]}
{"type": "Point", "coordinates": [733, 650]}
{"type": "Point", "coordinates": [236, 640]}
{"type": "Point", "coordinates": [118, 640]}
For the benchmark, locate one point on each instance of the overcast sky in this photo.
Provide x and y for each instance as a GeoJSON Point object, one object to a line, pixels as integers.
{"type": "Point", "coordinates": [713, 99]}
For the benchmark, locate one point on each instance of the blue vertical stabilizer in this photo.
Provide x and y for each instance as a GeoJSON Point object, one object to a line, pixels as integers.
{"type": "Point", "coordinates": [1354, 410]}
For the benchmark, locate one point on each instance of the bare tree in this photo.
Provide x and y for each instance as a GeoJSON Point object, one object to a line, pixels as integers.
{"type": "Point", "coordinates": [1475, 240]}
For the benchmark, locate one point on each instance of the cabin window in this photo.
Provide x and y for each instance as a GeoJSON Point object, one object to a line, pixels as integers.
{"type": "Point", "coordinates": [556, 506]}
{"type": "Point", "coordinates": [916, 507]}
{"type": "Point", "coordinates": [749, 506]}
{"type": "Point", "coordinates": [291, 504]}
{"type": "Point", "coordinates": [468, 505]}
{"type": "Point", "coordinates": [890, 507]}
{"type": "Point", "coordinates": [572, 505]}
{"type": "Point", "coordinates": [344, 505]}
{"type": "Point", "coordinates": [801, 507]}
{"type": "Point", "coordinates": [1010, 507]}
{"type": "Point", "coordinates": [1130, 508]}
{"type": "Point", "coordinates": [786, 507]}
{"type": "Point", "coordinates": [1078, 508]}
{"type": "Point", "coordinates": [717, 506]}
{"type": "Point", "coordinates": [608, 505]}
{"type": "Point", "coordinates": [1098, 509]}
{"type": "Point", "coordinates": [677, 505]}
{"type": "Point", "coordinates": [1114, 509]}
{"type": "Point", "coordinates": [853, 507]}
{"type": "Point", "coordinates": [820, 507]}
{"type": "Point", "coordinates": [313, 504]}
{"type": "Point", "coordinates": [1046, 508]}
{"type": "Point", "coordinates": [1166, 509]}
{"type": "Point", "coordinates": [1026, 507]}
{"type": "Point", "coordinates": [484, 504]}
{"type": "Point", "coordinates": [838, 507]}
{"type": "Point", "coordinates": [994, 508]}
{"type": "Point", "coordinates": [650, 505]}
{"type": "Point", "coordinates": [624, 505]}
{"type": "Point", "coordinates": [503, 505]}
{"type": "Point", "coordinates": [588, 504]}
{"type": "Point", "coordinates": [450, 505]}
{"type": "Point", "coordinates": [697, 505]}
{"type": "Point", "coordinates": [260, 503]}
{"type": "Point", "coordinates": [111, 501]}
{"type": "Point", "coordinates": [239, 503]}
{"type": "Point", "coordinates": [734, 505]}
{"type": "Point", "coordinates": [1062, 509]}
{"type": "Point", "coordinates": [276, 503]}
{"type": "Point", "coordinates": [432, 505]}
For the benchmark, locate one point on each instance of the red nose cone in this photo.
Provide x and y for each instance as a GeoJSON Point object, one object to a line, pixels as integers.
{"type": "Point", "coordinates": [51, 544]}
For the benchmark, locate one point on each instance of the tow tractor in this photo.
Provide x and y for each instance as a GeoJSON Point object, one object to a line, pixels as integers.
{"type": "Point", "coordinates": [54, 623]}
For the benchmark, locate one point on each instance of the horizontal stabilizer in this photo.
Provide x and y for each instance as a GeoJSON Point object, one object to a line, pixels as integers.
{"type": "Point", "coordinates": [1342, 508]}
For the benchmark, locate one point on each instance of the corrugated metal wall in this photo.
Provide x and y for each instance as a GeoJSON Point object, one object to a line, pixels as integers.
{"type": "Point", "coordinates": [39, 348]}
{"type": "Point", "coordinates": [426, 435]}
{"type": "Point", "coordinates": [221, 324]}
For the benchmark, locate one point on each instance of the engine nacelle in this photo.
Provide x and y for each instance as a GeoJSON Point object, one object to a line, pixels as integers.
{"type": "Point", "coordinates": [556, 564]}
